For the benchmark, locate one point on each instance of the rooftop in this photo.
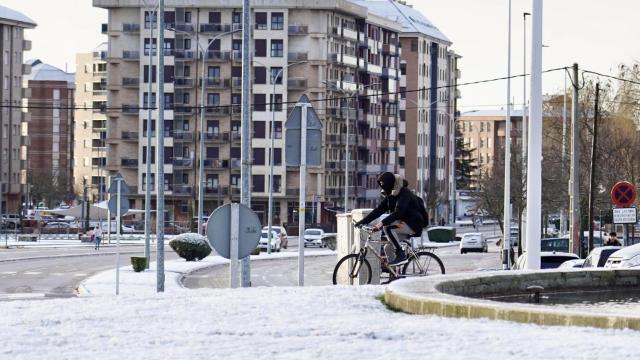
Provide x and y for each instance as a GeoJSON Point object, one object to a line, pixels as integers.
{"type": "Point", "coordinates": [45, 72]}
{"type": "Point", "coordinates": [10, 16]}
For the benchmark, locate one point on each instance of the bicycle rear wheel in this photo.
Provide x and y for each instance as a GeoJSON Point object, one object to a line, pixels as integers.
{"type": "Point", "coordinates": [424, 263]}
{"type": "Point", "coordinates": [353, 270]}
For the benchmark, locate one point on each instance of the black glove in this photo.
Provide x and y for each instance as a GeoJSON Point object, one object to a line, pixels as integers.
{"type": "Point", "coordinates": [358, 224]}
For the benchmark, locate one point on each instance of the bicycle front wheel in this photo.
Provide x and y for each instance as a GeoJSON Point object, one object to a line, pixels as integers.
{"type": "Point", "coordinates": [351, 270]}
{"type": "Point", "coordinates": [422, 264]}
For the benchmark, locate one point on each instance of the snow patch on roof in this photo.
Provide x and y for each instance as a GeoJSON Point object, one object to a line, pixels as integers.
{"type": "Point", "coordinates": [45, 72]}
{"type": "Point", "coordinates": [412, 20]}
{"type": "Point", "coordinates": [12, 15]}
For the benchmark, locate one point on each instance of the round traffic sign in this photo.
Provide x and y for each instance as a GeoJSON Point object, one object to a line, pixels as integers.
{"type": "Point", "coordinates": [219, 231]}
{"type": "Point", "coordinates": [623, 194]}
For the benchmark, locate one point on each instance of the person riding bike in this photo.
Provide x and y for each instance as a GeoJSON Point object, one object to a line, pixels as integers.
{"type": "Point", "coordinates": [404, 220]}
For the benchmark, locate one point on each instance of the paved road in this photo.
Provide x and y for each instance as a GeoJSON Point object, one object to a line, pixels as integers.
{"type": "Point", "coordinates": [56, 276]}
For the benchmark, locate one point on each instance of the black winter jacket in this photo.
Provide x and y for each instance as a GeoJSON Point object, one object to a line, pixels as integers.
{"type": "Point", "coordinates": [401, 207]}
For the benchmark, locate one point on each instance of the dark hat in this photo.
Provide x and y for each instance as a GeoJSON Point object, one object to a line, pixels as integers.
{"type": "Point", "coordinates": [387, 181]}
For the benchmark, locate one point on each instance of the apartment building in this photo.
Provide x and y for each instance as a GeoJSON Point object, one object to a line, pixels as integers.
{"type": "Point", "coordinates": [13, 119]}
{"type": "Point", "coordinates": [428, 95]}
{"type": "Point", "coordinates": [483, 131]}
{"type": "Point", "coordinates": [329, 50]}
{"type": "Point", "coordinates": [90, 129]}
{"type": "Point", "coordinates": [50, 142]}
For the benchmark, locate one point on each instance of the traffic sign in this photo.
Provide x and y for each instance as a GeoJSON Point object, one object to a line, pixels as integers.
{"type": "Point", "coordinates": [219, 231]}
{"type": "Point", "coordinates": [623, 194]}
{"type": "Point", "coordinates": [625, 215]}
{"type": "Point", "coordinates": [113, 205]}
{"type": "Point", "coordinates": [293, 141]}
{"type": "Point", "coordinates": [113, 188]}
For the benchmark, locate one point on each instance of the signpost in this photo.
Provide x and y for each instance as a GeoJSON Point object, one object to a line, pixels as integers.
{"type": "Point", "coordinates": [118, 204]}
{"type": "Point", "coordinates": [624, 194]}
{"type": "Point", "coordinates": [233, 230]}
{"type": "Point", "coordinates": [303, 142]}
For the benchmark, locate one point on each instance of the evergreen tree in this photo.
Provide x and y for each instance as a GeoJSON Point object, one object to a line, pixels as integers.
{"type": "Point", "coordinates": [466, 165]}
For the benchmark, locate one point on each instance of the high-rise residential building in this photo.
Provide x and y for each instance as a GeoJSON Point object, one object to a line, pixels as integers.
{"type": "Point", "coordinates": [335, 49]}
{"type": "Point", "coordinates": [90, 130]}
{"type": "Point", "coordinates": [483, 132]}
{"type": "Point", "coordinates": [50, 141]}
{"type": "Point", "coordinates": [428, 95]}
{"type": "Point", "coordinates": [13, 128]}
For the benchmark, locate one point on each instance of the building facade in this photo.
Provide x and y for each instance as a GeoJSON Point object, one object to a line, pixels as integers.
{"type": "Point", "coordinates": [50, 141]}
{"type": "Point", "coordinates": [13, 119]}
{"type": "Point", "coordinates": [331, 51]}
{"type": "Point", "coordinates": [90, 129]}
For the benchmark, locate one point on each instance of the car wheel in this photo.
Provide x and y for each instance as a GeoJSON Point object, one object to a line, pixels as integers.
{"type": "Point", "coordinates": [461, 251]}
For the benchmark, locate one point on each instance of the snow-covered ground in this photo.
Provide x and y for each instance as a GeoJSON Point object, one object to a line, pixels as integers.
{"type": "Point", "coordinates": [329, 322]}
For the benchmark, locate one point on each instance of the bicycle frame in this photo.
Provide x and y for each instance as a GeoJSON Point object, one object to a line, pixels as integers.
{"type": "Point", "coordinates": [411, 254]}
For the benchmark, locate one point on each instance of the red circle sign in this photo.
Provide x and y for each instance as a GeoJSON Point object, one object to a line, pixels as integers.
{"type": "Point", "coordinates": [623, 194]}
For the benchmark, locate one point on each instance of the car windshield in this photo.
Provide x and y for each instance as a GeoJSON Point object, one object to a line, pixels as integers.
{"type": "Point", "coordinates": [561, 245]}
{"type": "Point", "coordinates": [604, 256]}
{"type": "Point", "coordinates": [553, 262]}
{"type": "Point", "coordinates": [312, 232]}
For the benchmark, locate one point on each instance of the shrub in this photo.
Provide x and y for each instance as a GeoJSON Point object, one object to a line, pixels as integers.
{"type": "Point", "coordinates": [256, 251]}
{"type": "Point", "coordinates": [190, 246]}
{"type": "Point", "coordinates": [139, 263]}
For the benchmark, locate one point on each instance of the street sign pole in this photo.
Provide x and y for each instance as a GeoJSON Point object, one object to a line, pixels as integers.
{"type": "Point", "coordinates": [118, 217]}
{"type": "Point", "coordinates": [233, 264]}
{"type": "Point", "coordinates": [625, 236]}
{"type": "Point", "coordinates": [303, 192]}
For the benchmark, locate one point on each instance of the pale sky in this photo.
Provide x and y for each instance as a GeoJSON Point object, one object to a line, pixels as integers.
{"type": "Point", "coordinates": [598, 35]}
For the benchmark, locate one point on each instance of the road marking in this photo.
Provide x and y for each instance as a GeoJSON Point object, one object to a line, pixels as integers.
{"type": "Point", "coordinates": [57, 274]}
{"type": "Point", "coordinates": [80, 275]}
{"type": "Point", "coordinates": [32, 272]}
{"type": "Point", "coordinates": [9, 272]}
{"type": "Point", "coordinates": [21, 296]}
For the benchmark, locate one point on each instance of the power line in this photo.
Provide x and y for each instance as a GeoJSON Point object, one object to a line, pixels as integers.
{"type": "Point", "coordinates": [610, 77]}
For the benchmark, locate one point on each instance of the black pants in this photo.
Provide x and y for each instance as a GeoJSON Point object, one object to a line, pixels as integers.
{"type": "Point", "coordinates": [397, 231]}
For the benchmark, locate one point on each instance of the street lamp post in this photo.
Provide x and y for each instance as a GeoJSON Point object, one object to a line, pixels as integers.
{"type": "Point", "coordinates": [506, 252]}
{"type": "Point", "coordinates": [274, 80]}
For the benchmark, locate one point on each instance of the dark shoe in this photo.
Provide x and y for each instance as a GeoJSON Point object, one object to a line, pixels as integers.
{"type": "Point", "coordinates": [401, 258]}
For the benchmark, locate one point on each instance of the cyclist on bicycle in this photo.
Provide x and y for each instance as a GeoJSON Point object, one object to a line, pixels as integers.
{"type": "Point", "coordinates": [404, 220]}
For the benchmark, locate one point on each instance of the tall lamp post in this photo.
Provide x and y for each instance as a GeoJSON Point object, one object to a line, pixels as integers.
{"type": "Point", "coordinates": [506, 252]}
{"type": "Point", "coordinates": [201, 181]}
{"type": "Point", "coordinates": [274, 80]}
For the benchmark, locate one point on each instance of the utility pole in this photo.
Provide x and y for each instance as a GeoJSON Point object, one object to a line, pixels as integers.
{"type": "Point", "coordinates": [160, 156]}
{"type": "Point", "coordinates": [506, 243]}
{"type": "Point", "coordinates": [245, 154]}
{"type": "Point", "coordinates": [592, 173]}
{"type": "Point", "coordinates": [534, 158]}
{"type": "Point", "coordinates": [564, 149]}
{"type": "Point", "coordinates": [574, 183]}
{"type": "Point", "coordinates": [147, 194]}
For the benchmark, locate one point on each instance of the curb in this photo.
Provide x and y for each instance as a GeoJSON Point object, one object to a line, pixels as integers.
{"type": "Point", "coordinates": [424, 297]}
{"type": "Point", "coordinates": [66, 256]}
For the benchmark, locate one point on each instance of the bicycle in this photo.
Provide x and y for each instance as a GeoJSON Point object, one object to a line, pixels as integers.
{"type": "Point", "coordinates": [357, 267]}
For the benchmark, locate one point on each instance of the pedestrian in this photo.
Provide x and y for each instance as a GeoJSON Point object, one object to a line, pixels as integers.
{"type": "Point", "coordinates": [97, 235]}
{"type": "Point", "coordinates": [612, 240]}
{"type": "Point", "coordinates": [442, 222]}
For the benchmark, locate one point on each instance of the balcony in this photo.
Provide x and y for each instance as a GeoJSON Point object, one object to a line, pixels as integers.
{"type": "Point", "coordinates": [297, 84]}
{"type": "Point", "coordinates": [216, 190]}
{"type": "Point", "coordinates": [348, 33]}
{"type": "Point", "coordinates": [130, 135]}
{"type": "Point", "coordinates": [297, 56]}
{"type": "Point", "coordinates": [216, 110]}
{"type": "Point", "coordinates": [182, 189]}
{"type": "Point", "coordinates": [215, 164]}
{"type": "Point", "coordinates": [217, 83]}
{"type": "Point", "coordinates": [129, 163]}
{"type": "Point", "coordinates": [184, 27]}
{"type": "Point", "coordinates": [183, 54]}
{"type": "Point", "coordinates": [214, 28]}
{"type": "Point", "coordinates": [130, 82]}
{"type": "Point", "coordinates": [333, 58]}
{"type": "Point", "coordinates": [182, 163]}
{"type": "Point", "coordinates": [216, 55]}
{"type": "Point", "coordinates": [183, 110]}
{"type": "Point", "coordinates": [235, 136]}
{"type": "Point", "coordinates": [340, 139]}
{"type": "Point", "coordinates": [132, 28]}
{"type": "Point", "coordinates": [130, 109]}
{"type": "Point", "coordinates": [131, 55]}
{"type": "Point", "coordinates": [99, 55]}
{"type": "Point", "coordinates": [236, 55]}
{"type": "Point", "coordinates": [236, 81]}
{"type": "Point", "coordinates": [182, 136]}
{"type": "Point", "coordinates": [216, 137]}
{"type": "Point", "coordinates": [179, 83]}
{"type": "Point", "coordinates": [298, 30]}
{"type": "Point", "coordinates": [235, 164]}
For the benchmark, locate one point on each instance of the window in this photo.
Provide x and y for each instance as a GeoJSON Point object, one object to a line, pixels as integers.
{"type": "Point", "coordinates": [258, 156]}
{"type": "Point", "coordinates": [277, 47]}
{"type": "Point", "coordinates": [277, 129]}
{"type": "Point", "coordinates": [259, 130]}
{"type": "Point", "coordinates": [277, 183]}
{"type": "Point", "coordinates": [214, 17]}
{"type": "Point", "coordinates": [277, 156]}
{"type": "Point", "coordinates": [261, 20]}
{"type": "Point", "coordinates": [144, 154]}
{"type": "Point", "coordinates": [150, 17]}
{"type": "Point", "coordinates": [259, 75]}
{"type": "Point", "coordinates": [213, 72]}
{"type": "Point", "coordinates": [236, 17]}
{"type": "Point", "coordinates": [274, 73]}
{"type": "Point", "coordinates": [186, 98]}
{"type": "Point", "coordinates": [187, 17]}
{"type": "Point", "coordinates": [186, 71]}
{"type": "Point", "coordinates": [261, 48]}
{"type": "Point", "coordinates": [259, 102]}
{"type": "Point", "coordinates": [275, 102]}
{"type": "Point", "coordinates": [187, 44]}
{"type": "Point", "coordinates": [236, 44]}
{"type": "Point", "coordinates": [213, 99]}
{"type": "Point", "coordinates": [153, 128]}
{"type": "Point", "coordinates": [213, 152]}
{"type": "Point", "coordinates": [258, 183]}
{"type": "Point", "coordinates": [212, 181]}
{"type": "Point", "coordinates": [277, 21]}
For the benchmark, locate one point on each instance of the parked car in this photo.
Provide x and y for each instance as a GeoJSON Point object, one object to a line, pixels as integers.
{"type": "Point", "coordinates": [313, 237]}
{"type": "Point", "coordinates": [572, 264]}
{"type": "Point", "coordinates": [282, 234]}
{"type": "Point", "coordinates": [10, 221]}
{"type": "Point", "coordinates": [554, 244]}
{"type": "Point", "coordinates": [61, 225]}
{"type": "Point", "coordinates": [599, 256]}
{"type": "Point", "coordinates": [548, 260]}
{"type": "Point", "coordinates": [628, 257]}
{"type": "Point", "coordinates": [114, 228]}
{"type": "Point", "coordinates": [276, 245]}
{"type": "Point", "coordinates": [473, 242]}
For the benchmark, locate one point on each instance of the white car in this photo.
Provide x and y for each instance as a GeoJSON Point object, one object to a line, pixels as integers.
{"type": "Point", "coordinates": [114, 227]}
{"type": "Point", "coordinates": [281, 233]}
{"type": "Point", "coordinates": [313, 237]}
{"type": "Point", "coordinates": [548, 260]}
{"type": "Point", "coordinates": [473, 242]}
{"type": "Point", "coordinates": [572, 264]}
{"type": "Point", "coordinates": [628, 257]}
{"type": "Point", "coordinates": [598, 256]}
{"type": "Point", "coordinates": [276, 244]}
